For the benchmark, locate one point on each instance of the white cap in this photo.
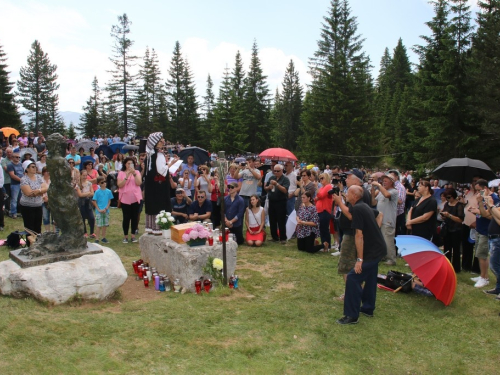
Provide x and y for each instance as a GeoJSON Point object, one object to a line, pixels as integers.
{"type": "Point", "coordinates": [27, 163]}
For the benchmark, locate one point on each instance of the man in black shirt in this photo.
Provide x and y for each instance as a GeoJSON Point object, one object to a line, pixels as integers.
{"type": "Point", "coordinates": [277, 193]}
{"type": "Point", "coordinates": [370, 248]}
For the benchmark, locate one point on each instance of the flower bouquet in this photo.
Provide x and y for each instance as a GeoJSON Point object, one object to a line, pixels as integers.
{"type": "Point", "coordinates": [214, 268]}
{"type": "Point", "coordinates": [165, 220]}
{"type": "Point", "coordinates": [196, 236]}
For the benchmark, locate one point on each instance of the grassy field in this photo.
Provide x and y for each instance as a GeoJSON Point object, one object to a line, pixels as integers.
{"type": "Point", "coordinates": [280, 321]}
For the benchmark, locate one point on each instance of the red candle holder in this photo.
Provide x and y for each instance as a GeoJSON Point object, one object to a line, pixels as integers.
{"type": "Point", "coordinates": [210, 241]}
{"type": "Point", "coordinates": [140, 272]}
{"type": "Point", "coordinates": [134, 264]}
{"type": "Point", "coordinates": [197, 285]}
{"type": "Point", "coordinates": [207, 285]}
{"type": "Point", "coordinates": [146, 281]}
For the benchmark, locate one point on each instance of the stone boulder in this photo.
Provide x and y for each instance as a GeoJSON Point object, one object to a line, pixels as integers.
{"type": "Point", "coordinates": [95, 276]}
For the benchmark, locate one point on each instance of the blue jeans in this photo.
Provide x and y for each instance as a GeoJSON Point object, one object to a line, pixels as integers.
{"type": "Point", "coordinates": [495, 260]}
{"type": "Point", "coordinates": [290, 205]}
{"type": "Point", "coordinates": [14, 194]}
{"type": "Point", "coordinates": [358, 298]}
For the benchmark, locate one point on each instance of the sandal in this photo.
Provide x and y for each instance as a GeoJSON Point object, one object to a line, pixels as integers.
{"type": "Point", "coordinates": [341, 297]}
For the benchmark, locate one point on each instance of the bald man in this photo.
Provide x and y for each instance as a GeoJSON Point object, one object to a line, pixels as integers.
{"type": "Point", "coordinates": [370, 249]}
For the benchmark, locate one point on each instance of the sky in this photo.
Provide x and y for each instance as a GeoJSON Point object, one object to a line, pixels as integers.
{"type": "Point", "coordinates": [76, 35]}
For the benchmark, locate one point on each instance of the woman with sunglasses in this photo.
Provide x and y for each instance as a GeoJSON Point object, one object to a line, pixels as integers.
{"type": "Point", "coordinates": [91, 174]}
{"type": "Point", "coordinates": [234, 212]}
{"type": "Point", "coordinates": [453, 214]}
{"type": "Point", "coordinates": [185, 183]}
{"type": "Point", "coordinates": [307, 225]}
{"type": "Point", "coordinates": [32, 190]}
{"type": "Point", "coordinates": [233, 176]}
{"type": "Point", "coordinates": [324, 202]}
{"type": "Point", "coordinates": [422, 216]}
{"type": "Point", "coordinates": [304, 184]}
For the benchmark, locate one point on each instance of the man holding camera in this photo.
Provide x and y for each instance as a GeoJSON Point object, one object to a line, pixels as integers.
{"type": "Point", "coordinates": [193, 170]}
{"type": "Point", "coordinates": [251, 178]}
{"type": "Point", "coordinates": [385, 196]}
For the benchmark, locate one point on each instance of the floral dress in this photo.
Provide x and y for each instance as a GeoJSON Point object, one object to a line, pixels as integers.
{"type": "Point", "coordinates": [307, 213]}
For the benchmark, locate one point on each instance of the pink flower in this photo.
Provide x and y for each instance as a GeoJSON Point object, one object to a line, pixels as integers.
{"type": "Point", "coordinates": [204, 234]}
{"type": "Point", "coordinates": [187, 231]}
{"type": "Point", "coordinates": [185, 237]}
{"type": "Point", "coordinates": [198, 227]}
{"type": "Point", "coordinates": [194, 234]}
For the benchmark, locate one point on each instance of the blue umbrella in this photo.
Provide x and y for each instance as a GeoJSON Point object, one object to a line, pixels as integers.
{"type": "Point", "coordinates": [117, 146]}
{"type": "Point", "coordinates": [85, 159]}
{"type": "Point", "coordinates": [106, 149]}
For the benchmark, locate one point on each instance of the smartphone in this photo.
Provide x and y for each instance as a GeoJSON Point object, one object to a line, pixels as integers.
{"type": "Point", "coordinates": [482, 193]}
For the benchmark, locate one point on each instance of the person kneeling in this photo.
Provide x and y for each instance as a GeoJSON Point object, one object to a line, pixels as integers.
{"type": "Point", "coordinates": [255, 217]}
{"type": "Point", "coordinates": [307, 225]}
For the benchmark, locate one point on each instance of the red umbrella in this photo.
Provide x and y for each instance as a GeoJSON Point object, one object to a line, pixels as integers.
{"type": "Point", "coordinates": [278, 154]}
{"type": "Point", "coordinates": [430, 265]}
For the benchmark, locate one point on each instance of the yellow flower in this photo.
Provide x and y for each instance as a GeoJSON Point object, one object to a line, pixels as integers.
{"type": "Point", "coordinates": [217, 264]}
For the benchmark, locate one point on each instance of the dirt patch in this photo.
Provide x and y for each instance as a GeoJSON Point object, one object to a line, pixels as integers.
{"type": "Point", "coordinates": [267, 269]}
{"type": "Point", "coordinates": [134, 290]}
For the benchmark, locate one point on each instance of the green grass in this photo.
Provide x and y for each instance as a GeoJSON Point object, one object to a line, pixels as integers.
{"type": "Point", "coordinates": [280, 321]}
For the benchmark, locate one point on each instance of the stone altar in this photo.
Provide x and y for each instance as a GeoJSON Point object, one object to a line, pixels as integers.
{"type": "Point", "coordinates": [181, 261]}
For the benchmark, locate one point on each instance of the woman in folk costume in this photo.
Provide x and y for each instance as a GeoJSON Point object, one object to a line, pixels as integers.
{"type": "Point", "coordinates": [157, 181]}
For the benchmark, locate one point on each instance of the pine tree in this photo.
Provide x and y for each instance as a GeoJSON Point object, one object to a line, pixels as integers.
{"type": "Point", "coordinates": [485, 77]}
{"type": "Point", "coordinates": [440, 86]}
{"type": "Point", "coordinates": [37, 89]}
{"type": "Point", "coordinates": [181, 99]}
{"type": "Point", "coordinates": [337, 117]}
{"type": "Point", "coordinates": [226, 134]}
{"type": "Point", "coordinates": [9, 115]}
{"type": "Point", "coordinates": [288, 110]}
{"type": "Point", "coordinates": [91, 121]}
{"type": "Point", "coordinates": [257, 104]}
{"type": "Point", "coordinates": [122, 85]}
{"type": "Point", "coordinates": [71, 133]}
{"type": "Point", "coordinates": [208, 109]}
{"type": "Point", "coordinates": [146, 104]}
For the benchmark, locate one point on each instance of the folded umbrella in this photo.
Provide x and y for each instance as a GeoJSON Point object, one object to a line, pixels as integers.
{"type": "Point", "coordinates": [430, 265]}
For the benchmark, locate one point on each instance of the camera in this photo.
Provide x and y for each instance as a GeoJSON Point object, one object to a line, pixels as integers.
{"type": "Point", "coordinates": [200, 170]}
{"type": "Point", "coordinates": [243, 164]}
{"type": "Point", "coordinates": [334, 190]}
{"type": "Point", "coordinates": [298, 177]}
{"type": "Point", "coordinates": [339, 178]}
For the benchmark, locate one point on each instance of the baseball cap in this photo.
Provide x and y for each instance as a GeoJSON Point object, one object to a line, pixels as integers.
{"type": "Point", "coordinates": [356, 172]}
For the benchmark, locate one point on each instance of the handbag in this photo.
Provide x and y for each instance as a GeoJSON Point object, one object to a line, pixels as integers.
{"type": "Point", "coordinates": [396, 279]}
{"type": "Point", "coordinates": [442, 229]}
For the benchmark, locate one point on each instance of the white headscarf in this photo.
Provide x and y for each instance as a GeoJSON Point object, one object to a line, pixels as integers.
{"type": "Point", "coordinates": [153, 140]}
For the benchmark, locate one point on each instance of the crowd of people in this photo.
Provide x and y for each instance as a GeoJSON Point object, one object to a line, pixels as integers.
{"type": "Point", "coordinates": [355, 214]}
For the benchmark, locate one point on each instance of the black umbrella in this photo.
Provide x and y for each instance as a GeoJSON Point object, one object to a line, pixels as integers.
{"type": "Point", "coordinates": [463, 170]}
{"type": "Point", "coordinates": [200, 155]}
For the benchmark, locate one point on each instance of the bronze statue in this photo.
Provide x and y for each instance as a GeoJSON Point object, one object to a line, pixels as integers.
{"type": "Point", "coordinates": [63, 206]}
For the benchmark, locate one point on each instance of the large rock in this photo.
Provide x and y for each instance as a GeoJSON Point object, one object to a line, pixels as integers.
{"type": "Point", "coordinates": [181, 261]}
{"type": "Point", "coordinates": [95, 276]}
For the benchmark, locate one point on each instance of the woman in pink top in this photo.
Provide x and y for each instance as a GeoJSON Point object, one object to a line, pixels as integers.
{"type": "Point", "coordinates": [91, 174]}
{"type": "Point", "coordinates": [324, 202]}
{"type": "Point", "coordinates": [130, 195]}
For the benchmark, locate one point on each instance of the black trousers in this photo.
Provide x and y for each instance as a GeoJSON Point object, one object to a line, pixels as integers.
{"type": "Point", "coordinates": [401, 224]}
{"type": "Point", "coordinates": [452, 242]}
{"type": "Point", "coordinates": [130, 217]}
{"type": "Point", "coordinates": [277, 219]}
{"type": "Point", "coordinates": [238, 231]}
{"type": "Point", "coordinates": [307, 244]}
{"type": "Point", "coordinates": [32, 218]}
{"type": "Point", "coordinates": [2, 223]}
{"type": "Point", "coordinates": [7, 202]}
{"type": "Point", "coordinates": [215, 215]}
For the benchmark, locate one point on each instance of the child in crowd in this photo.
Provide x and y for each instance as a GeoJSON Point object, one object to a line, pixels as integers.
{"type": "Point", "coordinates": [102, 201]}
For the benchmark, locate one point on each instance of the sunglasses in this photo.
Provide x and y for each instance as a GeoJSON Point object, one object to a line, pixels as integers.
{"type": "Point", "coordinates": [16, 157]}
{"type": "Point", "coordinates": [230, 187]}
{"type": "Point", "coordinates": [179, 193]}
{"type": "Point", "coordinates": [448, 197]}
{"type": "Point", "coordinates": [276, 170]}
{"type": "Point", "coordinates": [321, 178]}
{"type": "Point", "coordinates": [71, 162]}
{"type": "Point", "coordinates": [200, 196]}
{"type": "Point", "coordinates": [103, 182]}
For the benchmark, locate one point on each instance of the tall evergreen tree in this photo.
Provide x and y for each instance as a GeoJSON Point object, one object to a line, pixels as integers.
{"type": "Point", "coordinates": [338, 118]}
{"type": "Point", "coordinates": [441, 86]}
{"type": "Point", "coordinates": [9, 115]}
{"type": "Point", "coordinates": [71, 133]}
{"type": "Point", "coordinates": [37, 88]}
{"type": "Point", "coordinates": [257, 104]}
{"type": "Point", "coordinates": [147, 100]}
{"type": "Point", "coordinates": [485, 76]}
{"type": "Point", "coordinates": [181, 99]}
{"type": "Point", "coordinates": [91, 121]}
{"type": "Point", "coordinates": [288, 110]}
{"type": "Point", "coordinates": [122, 85]}
{"type": "Point", "coordinates": [208, 109]}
